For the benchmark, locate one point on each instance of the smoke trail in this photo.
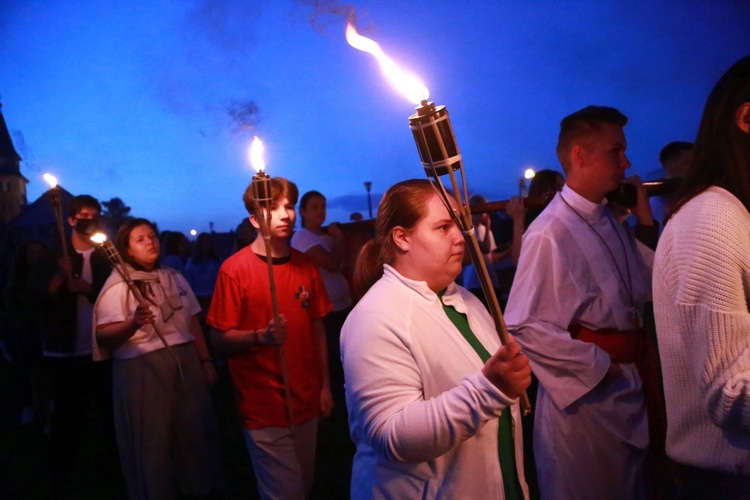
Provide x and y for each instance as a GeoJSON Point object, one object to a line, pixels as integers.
{"type": "Point", "coordinates": [326, 13]}
{"type": "Point", "coordinates": [244, 115]}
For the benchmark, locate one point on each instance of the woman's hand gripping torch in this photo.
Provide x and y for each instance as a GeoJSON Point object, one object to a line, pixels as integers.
{"type": "Point", "coordinates": [440, 156]}
{"type": "Point", "coordinates": [116, 263]}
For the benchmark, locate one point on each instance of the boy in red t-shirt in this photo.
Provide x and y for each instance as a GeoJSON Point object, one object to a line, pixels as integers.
{"type": "Point", "coordinates": [241, 314]}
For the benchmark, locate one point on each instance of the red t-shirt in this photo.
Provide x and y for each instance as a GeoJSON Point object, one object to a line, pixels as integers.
{"type": "Point", "coordinates": [242, 301]}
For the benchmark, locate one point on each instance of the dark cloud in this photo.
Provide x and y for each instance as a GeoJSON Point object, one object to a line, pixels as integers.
{"type": "Point", "coordinates": [24, 151]}
{"type": "Point", "coordinates": [354, 202]}
{"type": "Point", "coordinates": [332, 13]}
{"type": "Point", "coordinates": [244, 116]}
{"type": "Point", "coordinates": [208, 67]}
{"type": "Point", "coordinates": [326, 13]}
{"type": "Point", "coordinates": [227, 25]}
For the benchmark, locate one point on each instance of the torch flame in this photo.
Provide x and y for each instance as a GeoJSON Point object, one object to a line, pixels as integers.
{"type": "Point", "coordinates": [256, 154]}
{"type": "Point", "coordinates": [529, 173]}
{"type": "Point", "coordinates": [409, 85]}
{"type": "Point", "coordinates": [51, 180]}
{"type": "Point", "coordinates": [98, 238]}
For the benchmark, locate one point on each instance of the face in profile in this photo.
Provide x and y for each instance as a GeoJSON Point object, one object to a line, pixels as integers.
{"type": "Point", "coordinates": [434, 247]}
{"type": "Point", "coordinates": [143, 246]}
{"type": "Point", "coordinates": [604, 157]}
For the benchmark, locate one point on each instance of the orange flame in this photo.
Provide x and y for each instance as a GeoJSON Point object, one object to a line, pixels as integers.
{"type": "Point", "coordinates": [256, 154]}
{"type": "Point", "coordinates": [98, 238]}
{"type": "Point", "coordinates": [407, 84]}
{"type": "Point", "coordinates": [50, 179]}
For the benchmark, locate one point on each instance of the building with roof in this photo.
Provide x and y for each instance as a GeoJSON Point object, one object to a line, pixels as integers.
{"type": "Point", "coordinates": [12, 183]}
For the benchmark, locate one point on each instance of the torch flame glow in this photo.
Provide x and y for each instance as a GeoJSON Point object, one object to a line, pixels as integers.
{"type": "Point", "coordinates": [529, 173]}
{"type": "Point", "coordinates": [256, 154]}
{"type": "Point", "coordinates": [407, 84]}
{"type": "Point", "coordinates": [98, 238]}
{"type": "Point", "coordinates": [50, 179]}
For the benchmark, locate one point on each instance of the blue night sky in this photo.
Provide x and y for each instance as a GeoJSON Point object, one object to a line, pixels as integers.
{"type": "Point", "coordinates": [155, 101]}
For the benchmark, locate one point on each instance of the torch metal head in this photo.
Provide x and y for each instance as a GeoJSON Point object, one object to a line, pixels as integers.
{"type": "Point", "coordinates": [262, 189]}
{"type": "Point", "coordinates": [440, 156]}
{"type": "Point", "coordinates": [435, 140]}
{"type": "Point", "coordinates": [107, 248]}
{"type": "Point", "coordinates": [262, 200]}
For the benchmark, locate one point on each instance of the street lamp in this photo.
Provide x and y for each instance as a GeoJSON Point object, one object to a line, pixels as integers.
{"type": "Point", "coordinates": [368, 186]}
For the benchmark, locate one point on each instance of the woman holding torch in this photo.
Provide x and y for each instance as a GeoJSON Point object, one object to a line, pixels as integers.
{"type": "Point", "coordinates": [165, 424]}
{"type": "Point", "coordinates": [432, 396]}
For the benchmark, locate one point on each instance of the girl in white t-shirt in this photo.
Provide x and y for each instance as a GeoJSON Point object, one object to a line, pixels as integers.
{"type": "Point", "coordinates": [326, 249]}
{"type": "Point", "coordinates": [164, 420]}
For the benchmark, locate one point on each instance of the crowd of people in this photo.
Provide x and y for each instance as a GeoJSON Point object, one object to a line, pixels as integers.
{"type": "Point", "coordinates": [627, 403]}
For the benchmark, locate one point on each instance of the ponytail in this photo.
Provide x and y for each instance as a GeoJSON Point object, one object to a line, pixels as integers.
{"type": "Point", "coordinates": [368, 269]}
{"type": "Point", "coordinates": [403, 205]}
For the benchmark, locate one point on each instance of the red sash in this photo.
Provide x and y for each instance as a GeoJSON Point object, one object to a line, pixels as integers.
{"type": "Point", "coordinates": [623, 346]}
{"type": "Point", "coordinates": [634, 346]}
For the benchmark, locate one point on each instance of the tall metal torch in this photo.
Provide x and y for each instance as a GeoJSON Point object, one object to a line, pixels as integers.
{"type": "Point", "coordinates": [263, 200]}
{"type": "Point", "coordinates": [55, 198]}
{"type": "Point", "coordinates": [116, 263]}
{"type": "Point", "coordinates": [438, 150]}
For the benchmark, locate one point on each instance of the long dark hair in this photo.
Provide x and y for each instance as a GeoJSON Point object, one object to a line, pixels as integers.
{"type": "Point", "coordinates": [200, 254]}
{"type": "Point", "coordinates": [722, 151]}
{"type": "Point", "coordinates": [304, 200]}
{"type": "Point", "coordinates": [122, 240]}
{"type": "Point", "coordinates": [402, 205]}
{"type": "Point", "coordinates": [544, 182]}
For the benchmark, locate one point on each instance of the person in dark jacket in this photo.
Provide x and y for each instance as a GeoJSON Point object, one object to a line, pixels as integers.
{"type": "Point", "coordinates": [74, 281]}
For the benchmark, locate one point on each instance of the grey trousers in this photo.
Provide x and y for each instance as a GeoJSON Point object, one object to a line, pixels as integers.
{"type": "Point", "coordinates": [283, 459]}
{"type": "Point", "coordinates": [166, 429]}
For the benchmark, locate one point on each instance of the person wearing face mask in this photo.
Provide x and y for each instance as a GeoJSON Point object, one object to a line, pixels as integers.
{"type": "Point", "coordinates": [65, 324]}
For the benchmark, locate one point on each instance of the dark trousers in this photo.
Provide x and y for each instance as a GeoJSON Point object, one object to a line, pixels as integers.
{"type": "Point", "coordinates": [79, 385]}
{"type": "Point", "coordinates": [708, 484]}
{"type": "Point", "coordinates": [333, 323]}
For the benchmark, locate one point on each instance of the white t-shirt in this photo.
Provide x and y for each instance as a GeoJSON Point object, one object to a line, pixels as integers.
{"type": "Point", "coordinates": [470, 278]}
{"type": "Point", "coordinates": [116, 304]}
{"type": "Point", "coordinates": [335, 282]}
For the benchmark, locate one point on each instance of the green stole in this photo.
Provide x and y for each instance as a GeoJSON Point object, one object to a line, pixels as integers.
{"type": "Point", "coordinates": [505, 447]}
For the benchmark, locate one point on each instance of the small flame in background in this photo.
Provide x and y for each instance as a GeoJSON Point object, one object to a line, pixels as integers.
{"type": "Point", "coordinates": [256, 154]}
{"type": "Point", "coordinates": [98, 238]}
{"type": "Point", "coordinates": [50, 179]}
{"type": "Point", "coordinates": [407, 84]}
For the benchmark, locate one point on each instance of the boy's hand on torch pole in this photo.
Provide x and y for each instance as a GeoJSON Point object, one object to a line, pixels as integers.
{"type": "Point", "coordinates": [275, 333]}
